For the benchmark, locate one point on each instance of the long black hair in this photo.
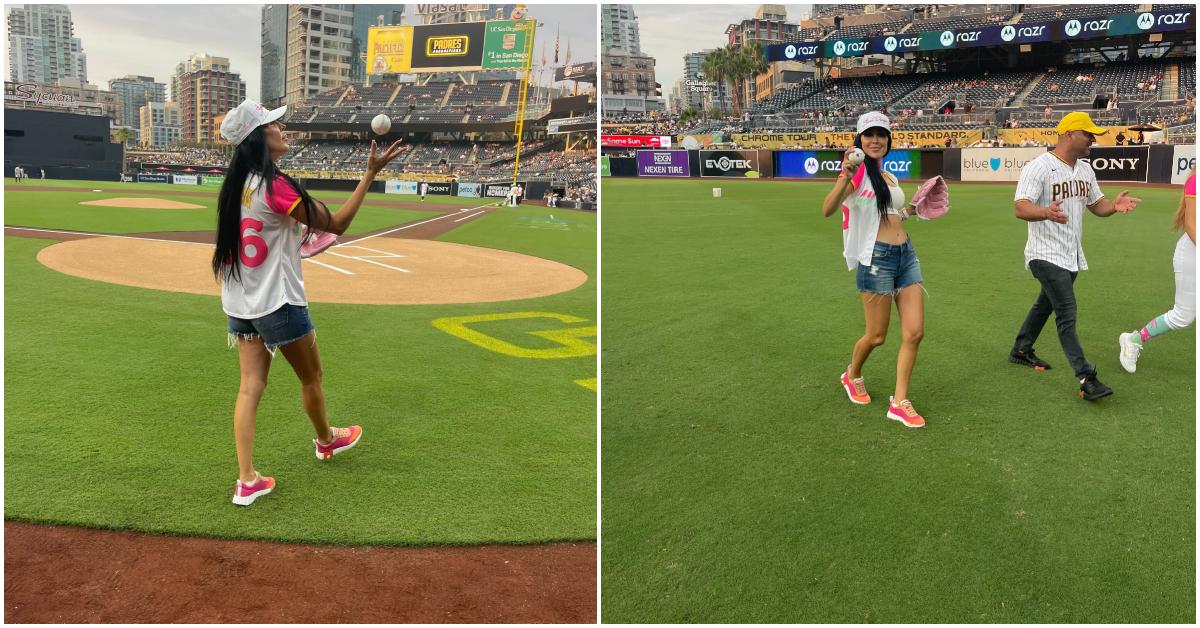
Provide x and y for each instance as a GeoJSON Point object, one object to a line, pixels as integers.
{"type": "Point", "coordinates": [883, 196]}
{"type": "Point", "coordinates": [250, 157]}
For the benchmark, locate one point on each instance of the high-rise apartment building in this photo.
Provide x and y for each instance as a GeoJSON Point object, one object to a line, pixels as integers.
{"type": "Point", "coordinates": [205, 87]}
{"type": "Point", "coordinates": [310, 48]}
{"type": "Point", "coordinates": [697, 90]}
{"type": "Point", "coordinates": [619, 28]}
{"type": "Point", "coordinates": [42, 47]}
{"type": "Point", "coordinates": [132, 93]}
{"type": "Point", "coordinates": [159, 124]}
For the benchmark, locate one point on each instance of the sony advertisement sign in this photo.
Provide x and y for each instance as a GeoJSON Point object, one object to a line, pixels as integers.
{"type": "Point", "coordinates": [1119, 163]}
{"type": "Point", "coordinates": [439, 187]}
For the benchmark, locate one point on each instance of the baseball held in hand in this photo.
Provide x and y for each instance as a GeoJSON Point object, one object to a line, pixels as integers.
{"type": "Point", "coordinates": [381, 124]}
{"type": "Point", "coordinates": [856, 156]}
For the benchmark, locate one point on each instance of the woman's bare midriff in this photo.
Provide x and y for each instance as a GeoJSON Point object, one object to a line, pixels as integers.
{"type": "Point", "coordinates": [890, 230]}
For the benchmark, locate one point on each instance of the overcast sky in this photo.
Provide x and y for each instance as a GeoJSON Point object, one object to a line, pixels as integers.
{"type": "Point", "coordinates": [668, 32]}
{"type": "Point", "coordinates": [150, 40]}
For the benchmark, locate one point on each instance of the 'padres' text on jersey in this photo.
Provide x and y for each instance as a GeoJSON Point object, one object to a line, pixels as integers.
{"type": "Point", "coordinates": [1043, 181]}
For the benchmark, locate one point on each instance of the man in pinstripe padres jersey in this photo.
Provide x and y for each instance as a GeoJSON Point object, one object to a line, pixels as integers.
{"type": "Point", "coordinates": [1052, 193]}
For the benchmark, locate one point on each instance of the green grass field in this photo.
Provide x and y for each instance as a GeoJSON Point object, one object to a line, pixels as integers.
{"type": "Point", "coordinates": [119, 401]}
{"type": "Point", "coordinates": [740, 485]}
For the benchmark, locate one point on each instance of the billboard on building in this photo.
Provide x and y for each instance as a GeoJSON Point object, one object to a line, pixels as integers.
{"type": "Point", "coordinates": [389, 49]}
{"type": "Point", "coordinates": [505, 43]}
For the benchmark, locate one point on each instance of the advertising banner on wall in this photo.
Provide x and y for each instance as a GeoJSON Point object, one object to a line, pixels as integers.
{"type": "Point", "coordinates": [185, 179]}
{"type": "Point", "coordinates": [996, 164]}
{"type": "Point", "coordinates": [662, 163]}
{"type": "Point", "coordinates": [582, 72]}
{"type": "Point", "coordinates": [153, 178]}
{"type": "Point", "coordinates": [1098, 25]}
{"type": "Point", "coordinates": [729, 163]}
{"type": "Point", "coordinates": [605, 169]}
{"type": "Point", "coordinates": [447, 47]}
{"type": "Point", "coordinates": [497, 190]}
{"type": "Point", "coordinates": [918, 139]}
{"type": "Point", "coordinates": [212, 179]}
{"type": "Point", "coordinates": [469, 189]}
{"type": "Point", "coordinates": [389, 49]}
{"type": "Point", "coordinates": [1183, 163]}
{"type": "Point", "coordinates": [904, 164]}
{"type": "Point", "coordinates": [1119, 163]}
{"type": "Point", "coordinates": [399, 186]}
{"type": "Point", "coordinates": [505, 42]}
{"type": "Point", "coordinates": [1048, 136]}
{"type": "Point", "coordinates": [636, 141]}
{"type": "Point", "coordinates": [441, 188]}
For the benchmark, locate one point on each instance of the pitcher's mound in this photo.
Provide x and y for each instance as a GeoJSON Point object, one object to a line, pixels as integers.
{"type": "Point", "coordinates": [143, 203]}
{"type": "Point", "coordinates": [377, 271]}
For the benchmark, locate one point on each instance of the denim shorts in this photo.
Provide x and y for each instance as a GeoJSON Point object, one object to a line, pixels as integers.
{"type": "Point", "coordinates": [285, 325]}
{"type": "Point", "coordinates": [893, 267]}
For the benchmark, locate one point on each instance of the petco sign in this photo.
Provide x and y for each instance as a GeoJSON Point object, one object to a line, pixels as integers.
{"type": "Point", "coordinates": [996, 164]}
{"type": "Point", "coordinates": [1182, 164]}
{"type": "Point", "coordinates": [729, 163]}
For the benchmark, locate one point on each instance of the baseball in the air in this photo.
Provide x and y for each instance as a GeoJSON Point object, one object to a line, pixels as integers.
{"type": "Point", "coordinates": [381, 124]}
{"type": "Point", "coordinates": [856, 156]}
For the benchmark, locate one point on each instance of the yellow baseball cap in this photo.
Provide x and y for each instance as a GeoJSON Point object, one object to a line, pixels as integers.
{"type": "Point", "coordinates": [1079, 121]}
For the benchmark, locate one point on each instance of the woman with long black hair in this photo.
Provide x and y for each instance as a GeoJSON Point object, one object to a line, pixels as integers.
{"type": "Point", "coordinates": [875, 243]}
{"type": "Point", "coordinates": [261, 218]}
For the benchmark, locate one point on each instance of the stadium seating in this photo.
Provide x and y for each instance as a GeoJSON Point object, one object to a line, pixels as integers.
{"type": "Point", "coordinates": [1045, 13]}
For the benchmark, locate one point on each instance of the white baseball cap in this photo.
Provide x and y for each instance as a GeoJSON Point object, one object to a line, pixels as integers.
{"type": "Point", "coordinates": [240, 122]}
{"type": "Point", "coordinates": [874, 119]}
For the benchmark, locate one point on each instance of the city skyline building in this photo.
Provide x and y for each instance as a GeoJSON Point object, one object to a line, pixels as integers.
{"type": "Point", "coordinates": [42, 46]}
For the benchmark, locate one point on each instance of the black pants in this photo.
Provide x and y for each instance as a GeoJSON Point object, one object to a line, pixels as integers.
{"type": "Point", "coordinates": [1058, 296]}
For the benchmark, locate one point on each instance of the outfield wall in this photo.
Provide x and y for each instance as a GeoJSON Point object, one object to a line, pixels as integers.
{"type": "Point", "coordinates": [1162, 164]}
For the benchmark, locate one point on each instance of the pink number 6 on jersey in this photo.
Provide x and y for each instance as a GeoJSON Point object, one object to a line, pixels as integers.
{"type": "Point", "coordinates": [260, 245]}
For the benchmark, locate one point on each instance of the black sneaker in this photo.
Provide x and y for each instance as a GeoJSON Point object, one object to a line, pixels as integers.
{"type": "Point", "coordinates": [1028, 358]}
{"type": "Point", "coordinates": [1092, 389]}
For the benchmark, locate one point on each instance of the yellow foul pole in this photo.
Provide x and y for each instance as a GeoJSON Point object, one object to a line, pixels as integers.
{"type": "Point", "coordinates": [524, 94]}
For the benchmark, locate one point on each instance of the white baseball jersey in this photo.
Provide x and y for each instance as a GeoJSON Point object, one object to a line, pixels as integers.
{"type": "Point", "coordinates": [1047, 179]}
{"type": "Point", "coordinates": [269, 252]}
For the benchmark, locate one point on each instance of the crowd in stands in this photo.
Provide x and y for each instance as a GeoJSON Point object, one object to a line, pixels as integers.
{"type": "Point", "coordinates": [217, 157]}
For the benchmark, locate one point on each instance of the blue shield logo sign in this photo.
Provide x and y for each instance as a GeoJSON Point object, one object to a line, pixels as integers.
{"type": "Point", "coordinates": [994, 162]}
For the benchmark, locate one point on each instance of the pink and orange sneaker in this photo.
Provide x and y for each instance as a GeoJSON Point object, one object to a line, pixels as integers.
{"type": "Point", "coordinates": [245, 494]}
{"type": "Point", "coordinates": [904, 413]}
{"type": "Point", "coordinates": [855, 389]}
{"type": "Point", "coordinates": [343, 438]}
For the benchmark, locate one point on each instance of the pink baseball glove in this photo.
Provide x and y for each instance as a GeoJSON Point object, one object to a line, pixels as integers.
{"type": "Point", "coordinates": [319, 241]}
{"type": "Point", "coordinates": [932, 199]}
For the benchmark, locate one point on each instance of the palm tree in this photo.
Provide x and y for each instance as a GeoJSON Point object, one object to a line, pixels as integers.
{"type": "Point", "coordinates": [124, 135]}
{"type": "Point", "coordinates": [747, 62]}
{"type": "Point", "coordinates": [716, 67]}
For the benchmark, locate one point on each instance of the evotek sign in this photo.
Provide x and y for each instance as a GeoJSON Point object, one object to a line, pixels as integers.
{"type": "Point", "coordinates": [729, 163]}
